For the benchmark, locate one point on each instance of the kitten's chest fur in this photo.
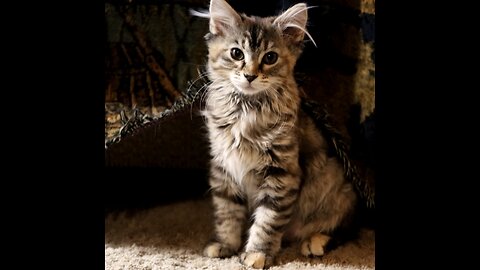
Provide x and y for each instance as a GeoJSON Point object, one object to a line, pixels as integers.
{"type": "Point", "coordinates": [236, 143]}
{"type": "Point", "coordinates": [241, 133]}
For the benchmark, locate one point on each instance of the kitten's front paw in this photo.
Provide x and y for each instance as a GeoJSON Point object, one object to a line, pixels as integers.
{"type": "Point", "coordinates": [217, 250]}
{"type": "Point", "coordinates": [315, 246]}
{"type": "Point", "coordinates": [256, 259]}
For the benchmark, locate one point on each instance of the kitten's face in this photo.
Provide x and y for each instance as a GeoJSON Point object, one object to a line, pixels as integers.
{"type": "Point", "coordinates": [253, 54]}
{"type": "Point", "coordinates": [254, 58]}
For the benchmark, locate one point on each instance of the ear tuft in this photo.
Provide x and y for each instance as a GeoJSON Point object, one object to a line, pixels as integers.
{"type": "Point", "coordinates": [293, 22]}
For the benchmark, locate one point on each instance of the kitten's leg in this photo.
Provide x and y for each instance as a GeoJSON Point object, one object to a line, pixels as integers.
{"type": "Point", "coordinates": [230, 215]}
{"type": "Point", "coordinates": [315, 245]}
{"type": "Point", "coordinates": [275, 201]}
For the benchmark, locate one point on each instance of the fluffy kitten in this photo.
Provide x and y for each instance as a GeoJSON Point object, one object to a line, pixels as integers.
{"type": "Point", "coordinates": [270, 170]}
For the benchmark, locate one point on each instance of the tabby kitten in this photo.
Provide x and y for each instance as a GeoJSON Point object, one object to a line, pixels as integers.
{"type": "Point", "coordinates": [270, 169]}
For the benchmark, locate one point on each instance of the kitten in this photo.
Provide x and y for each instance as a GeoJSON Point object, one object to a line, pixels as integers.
{"type": "Point", "coordinates": [270, 170]}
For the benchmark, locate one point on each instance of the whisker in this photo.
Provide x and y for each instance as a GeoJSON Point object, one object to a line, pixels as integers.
{"type": "Point", "coordinates": [204, 86]}
{"type": "Point", "coordinates": [201, 76]}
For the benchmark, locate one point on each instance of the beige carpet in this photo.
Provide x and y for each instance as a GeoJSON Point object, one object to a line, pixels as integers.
{"type": "Point", "coordinates": [172, 237]}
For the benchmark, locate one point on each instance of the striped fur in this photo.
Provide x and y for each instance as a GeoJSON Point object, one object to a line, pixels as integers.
{"type": "Point", "coordinates": [270, 173]}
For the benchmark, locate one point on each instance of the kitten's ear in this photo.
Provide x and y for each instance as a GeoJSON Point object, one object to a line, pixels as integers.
{"type": "Point", "coordinates": [293, 22]}
{"type": "Point", "coordinates": [222, 17]}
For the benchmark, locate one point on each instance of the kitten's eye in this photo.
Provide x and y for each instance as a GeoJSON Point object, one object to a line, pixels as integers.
{"type": "Point", "coordinates": [270, 58]}
{"type": "Point", "coordinates": [236, 54]}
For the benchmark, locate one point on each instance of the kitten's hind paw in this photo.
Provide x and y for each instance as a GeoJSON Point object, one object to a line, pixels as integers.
{"type": "Point", "coordinates": [217, 250]}
{"type": "Point", "coordinates": [315, 246]}
{"type": "Point", "coordinates": [256, 259]}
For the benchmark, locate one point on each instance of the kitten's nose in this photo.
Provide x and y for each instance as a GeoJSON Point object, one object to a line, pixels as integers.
{"type": "Point", "coordinates": [250, 78]}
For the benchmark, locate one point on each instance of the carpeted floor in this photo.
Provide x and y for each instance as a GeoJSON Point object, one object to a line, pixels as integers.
{"type": "Point", "coordinates": [173, 236]}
